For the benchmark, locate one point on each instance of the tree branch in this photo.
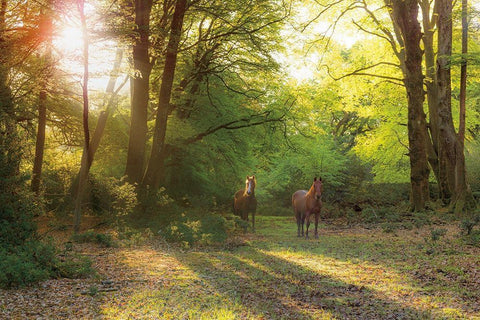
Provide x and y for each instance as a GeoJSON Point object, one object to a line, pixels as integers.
{"type": "Point", "coordinates": [359, 72]}
{"type": "Point", "coordinates": [253, 120]}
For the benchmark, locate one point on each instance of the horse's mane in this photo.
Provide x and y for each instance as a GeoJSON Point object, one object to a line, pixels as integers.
{"type": "Point", "coordinates": [311, 191]}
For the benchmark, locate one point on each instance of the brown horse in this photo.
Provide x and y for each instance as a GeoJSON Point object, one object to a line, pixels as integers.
{"type": "Point", "coordinates": [244, 201]}
{"type": "Point", "coordinates": [306, 203]}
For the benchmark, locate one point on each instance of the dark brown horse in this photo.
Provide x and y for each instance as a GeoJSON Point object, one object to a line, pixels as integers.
{"type": "Point", "coordinates": [245, 202]}
{"type": "Point", "coordinates": [306, 203]}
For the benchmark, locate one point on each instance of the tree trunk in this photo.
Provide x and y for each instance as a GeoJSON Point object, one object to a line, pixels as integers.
{"type": "Point", "coordinates": [40, 141]}
{"type": "Point", "coordinates": [155, 169]}
{"type": "Point", "coordinates": [102, 120]}
{"type": "Point", "coordinates": [438, 166]}
{"type": "Point", "coordinates": [405, 13]}
{"type": "Point", "coordinates": [112, 93]}
{"type": "Point", "coordinates": [140, 93]}
{"type": "Point", "coordinates": [86, 156]}
{"type": "Point", "coordinates": [450, 145]}
{"type": "Point", "coordinates": [45, 30]}
{"type": "Point", "coordinates": [462, 189]}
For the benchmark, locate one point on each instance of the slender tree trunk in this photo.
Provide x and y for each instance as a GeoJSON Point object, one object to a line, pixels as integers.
{"type": "Point", "coordinates": [102, 119]}
{"type": "Point", "coordinates": [451, 147]}
{"type": "Point", "coordinates": [140, 93]}
{"type": "Point", "coordinates": [405, 13]}
{"type": "Point", "coordinates": [461, 186]}
{"type": "Point", "coordinates": [155, 170]}
{"type": "Point", "coordinates": [446, 128]}
{"type": "Point", "coordinates": [45, 29]}
{"type": "Point", "coordinates": [463, 73]}
{"type": "Point", "coordinates": [40, 141]}
{"type": "Point", "coordinates": [108, 104]}
{"type": "Point", "coordinates": [86, 156]}
{"type": "Point", "coordinates": [429, 21]}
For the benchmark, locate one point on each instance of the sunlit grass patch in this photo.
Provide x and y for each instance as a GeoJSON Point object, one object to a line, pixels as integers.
{"type": "Point", "coordinates": [177, 293]}
{"type": "Point", "coordinates": [347, 273]}
{"type": "Point", "coordinates": [378, 262]}
{"type": "Point", "coordinates": [181, 302]}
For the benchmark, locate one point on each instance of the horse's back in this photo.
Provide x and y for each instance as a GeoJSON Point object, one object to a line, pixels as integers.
{"type": "Point", "coordinates": [242, 202]}
{"type": "Point", "coordinates": [238, 194]}
{"type": "Point", "coordinates": [298, 200]}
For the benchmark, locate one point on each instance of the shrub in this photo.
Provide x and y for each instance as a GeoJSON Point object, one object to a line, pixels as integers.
{"type": "Point", "coordinates": [206, 229]}
{"type": "Point", "coordinates": [275, 210]}
{"type": "Point", "coordinates": [155, 207]}
{"type": "Point", "coordinates": [468, 224]}
{"type": "Point", "coordinates": [473, 238]}
{"type": "Point", "coordinates": [369, 215]}
{"type": "Point", "coordinates": [23, 259]}
{"type": "Point", "coordinates": [131, 237]}
{"type": "Point", "coordinates": [56, 185]}
{"type": "Point", "coordinates": [421, 219]}
{"type": "Point", "coordinates": [16, 213]}
{"type": "Point", "coordinates": [436, 234]}
{"type": "Point", "coordinates": [92, 237]}
{"type": "Point", "coordinates": [26, 264]}
{"type": "Point", "coordinates": [74, 267]}
{"type": "Point", "coordinates": [113, 197]}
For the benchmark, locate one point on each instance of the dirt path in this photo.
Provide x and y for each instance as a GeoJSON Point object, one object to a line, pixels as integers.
{"type": "Point", "coordinates": [350, 273]}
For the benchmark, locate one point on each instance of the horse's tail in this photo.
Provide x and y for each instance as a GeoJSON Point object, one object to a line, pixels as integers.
{"type": "Point", "coordinates": [294, 199]}
{"type": "Point", "coordinates": [233, 205]}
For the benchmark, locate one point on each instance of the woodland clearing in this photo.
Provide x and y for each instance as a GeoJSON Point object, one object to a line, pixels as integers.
{"type": "Point", "coordinates": [351, 272]}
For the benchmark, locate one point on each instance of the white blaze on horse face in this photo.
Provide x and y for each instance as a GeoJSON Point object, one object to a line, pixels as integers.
{"type": "Point", "coordinates": [249, 186]}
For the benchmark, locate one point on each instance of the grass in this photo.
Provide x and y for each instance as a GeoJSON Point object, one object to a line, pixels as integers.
{"type": "Point", "coordinates": [350, 273]}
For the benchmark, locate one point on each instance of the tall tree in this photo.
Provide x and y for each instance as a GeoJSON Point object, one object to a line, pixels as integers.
{"type": "Point", "coordinates": [437, 163]}
{"type": "Point", "coordinates": [108, 104]}
{"type": "Point", "coordinates": [86, 155]}
{"type": "Point", "coordinates": [7, 111]}
{"type": "Point", "coordinates": [155, 168]}
{"type": "Point", "coordinates": [405, 14]}
{"type": "Point", "coordinates": [451, 143]}
{"type": "Point", "coordinates": [140, 94]}
{"type": "Point", "coordinates": [461, 187]}
{"type": "Point", "coordinates": [444, 150]}
{"type": "Point", "coordinates": [46, 30]}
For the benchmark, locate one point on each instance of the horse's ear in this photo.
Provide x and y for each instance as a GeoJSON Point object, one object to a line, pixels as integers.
{"type": "Point", "coordinates": [315, 179]}
{"type": "Point", "coordinates": [247, 177]}
{"type": "Point", "coordinates": [253, 177]}
{"type": "Point", "coordinates": [320, 178]}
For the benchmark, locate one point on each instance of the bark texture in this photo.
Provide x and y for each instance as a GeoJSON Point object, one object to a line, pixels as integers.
{"type": "Point", "coordinates": [405, 15]}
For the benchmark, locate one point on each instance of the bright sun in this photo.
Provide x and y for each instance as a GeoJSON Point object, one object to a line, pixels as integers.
{"type": "Point", "coordinates": [69, 40]}
{"type": "Point", "coordinates": [69, 48]}
{"type": "Point", "coordinates": [101, 54]}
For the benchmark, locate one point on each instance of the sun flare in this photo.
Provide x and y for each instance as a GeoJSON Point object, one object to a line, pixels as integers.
{"type": "Point", "coordinates": [69, 40]}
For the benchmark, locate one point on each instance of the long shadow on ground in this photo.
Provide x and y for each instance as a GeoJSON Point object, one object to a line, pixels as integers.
{"type": "Point", "coordinates": [274, 288]}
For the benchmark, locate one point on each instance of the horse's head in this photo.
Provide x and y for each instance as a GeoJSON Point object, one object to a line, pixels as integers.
{"type": "Point", "coordinates": [250, 185]}
{"type": "Point", "coordinates": [317, 188]}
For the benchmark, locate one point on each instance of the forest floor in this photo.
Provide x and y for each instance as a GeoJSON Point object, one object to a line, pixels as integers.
{"type": "Point", "coordinates": [348, 273]}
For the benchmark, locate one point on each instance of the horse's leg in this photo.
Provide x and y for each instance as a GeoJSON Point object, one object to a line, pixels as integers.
{"type": "Point", "coordinates": [298, 228]}
{"type": "Point", "coordinates": [302, 221]}
{"type": "Point", "coordinates": [253, 221]}
{"type": "Point", "coordinates": [242, 216]}
{"type": "Point", "coordinates": [297, 217]}
{"type": "Point", "coordinates": [307, 217]}
{"type": "Point", "coordinates": [317, 215]}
